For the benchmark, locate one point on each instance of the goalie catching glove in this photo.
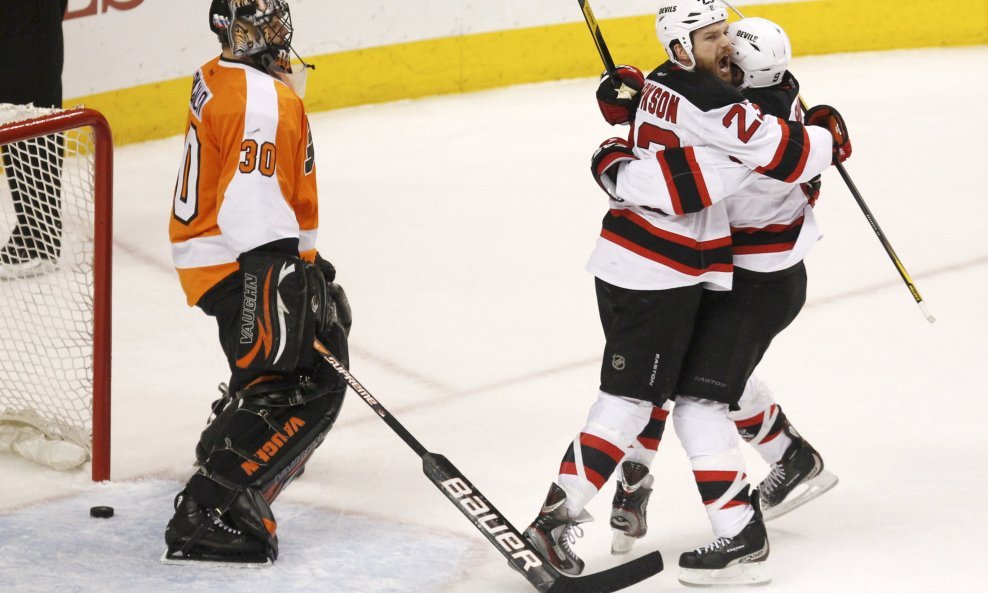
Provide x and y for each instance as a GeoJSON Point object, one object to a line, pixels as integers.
{"type": "Point", "coordinates": [606, 162]}
{"type": "Point", "coordinates": [618, 104]}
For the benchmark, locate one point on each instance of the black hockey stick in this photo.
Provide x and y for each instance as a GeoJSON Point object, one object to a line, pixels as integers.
{"type": "Point", "coordinates": [885, 242]}
{"type": "Point", "coordinates": [878, 233]}
{"type": "Point", "coordinates": [871, 221]}
{"type": "Point", "coordinates": [490, 522]}
{"type": "Point", "coordinates": [598, 39]}
{"type": "Point", "coordinates": [623, 91]}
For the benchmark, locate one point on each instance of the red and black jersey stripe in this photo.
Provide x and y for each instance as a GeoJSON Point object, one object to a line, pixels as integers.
{"type": "Point", "coordinates": [651, 436]}
{"type": "Point", "coordinates": [600, 458]}
{"type": "Point", "coordinates": [683, 254]}
{"type": "Point", "coordinates": [715, 484]}
{"type": "Point", "coordinates": [687, 189]}
{"type": "Point", "coordinates": [791, 156]}
{"type": "Point", "coordinates": [770, 239]}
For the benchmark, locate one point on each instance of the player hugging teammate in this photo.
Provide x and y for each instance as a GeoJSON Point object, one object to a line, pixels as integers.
{"type": "Point", "coordinates": [698, 267]}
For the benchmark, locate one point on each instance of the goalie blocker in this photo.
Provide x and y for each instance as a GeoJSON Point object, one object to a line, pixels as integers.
{"type": "Point", "coordinates": [283, 400]}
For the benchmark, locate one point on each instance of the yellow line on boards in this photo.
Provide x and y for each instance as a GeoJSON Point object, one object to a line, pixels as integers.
{"type": "Point", "coordinates": [534, 54]}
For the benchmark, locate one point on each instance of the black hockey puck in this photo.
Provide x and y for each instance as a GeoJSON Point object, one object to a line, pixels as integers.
{"type": "Point", "coordinates": [101, 512]}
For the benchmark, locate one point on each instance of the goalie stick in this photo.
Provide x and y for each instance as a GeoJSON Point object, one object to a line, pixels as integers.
{"type": "Point", "coordinates": [491, 523]}
{"type": "Point", "coordinates": [870, 218]}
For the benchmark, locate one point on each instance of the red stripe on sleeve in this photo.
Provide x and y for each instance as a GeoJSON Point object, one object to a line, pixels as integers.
{"type": "Point", "coordinates": [779, 152]}
{"type": "Point", "coordinates": [701, 185]}
{"type": "Point", "coordinates": [804, 157]}
{"type": "Point", "coordinates": [677, 204]}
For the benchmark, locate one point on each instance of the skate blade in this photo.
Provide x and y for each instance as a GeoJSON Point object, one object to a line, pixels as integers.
{"type": "Point", "coordinates": [621, 543]}
{"type": "Point", "coordinates": [240, 562]}
{"type": "Point", "coordinates": [804, 493]}
{"type": "Point", "coordinates": [752, 573]}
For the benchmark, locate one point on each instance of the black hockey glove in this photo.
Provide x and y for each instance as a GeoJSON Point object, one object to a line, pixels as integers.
{"type": "Point", "coordinates": [605, 161]}
{"type": "Point", "coordinates": [827, 117]}
{"type": "Point", "coordinates": [811, 189]}
{"type": "Point", "coordinates": [618, 105]}
{"type": "Point", "coordinates": [340, 304]}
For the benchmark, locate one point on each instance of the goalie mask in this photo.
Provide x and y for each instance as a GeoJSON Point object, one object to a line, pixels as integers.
{"type": "Point", "coordinates": [259, 31]}
{"type": "Point", "coordinates": [761, 51]}
{"type": "Point", "coordinates": [677, 19]}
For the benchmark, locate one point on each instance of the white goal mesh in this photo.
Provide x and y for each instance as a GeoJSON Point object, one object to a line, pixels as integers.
{"type": "Point", "coordinates": [50, 285]}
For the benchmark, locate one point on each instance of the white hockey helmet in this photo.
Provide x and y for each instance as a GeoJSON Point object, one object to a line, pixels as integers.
{"type": "Point", "coordinates": [677, 19]}
{"type": "Point", "coordinates": [761, 49]}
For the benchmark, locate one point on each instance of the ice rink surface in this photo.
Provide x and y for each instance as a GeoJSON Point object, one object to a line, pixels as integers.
{"type": "Point", "coordinates": [460, 226]}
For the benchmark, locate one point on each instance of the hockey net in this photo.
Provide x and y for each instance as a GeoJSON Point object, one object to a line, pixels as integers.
{"type": "Point", "coordinates": [55, 233]}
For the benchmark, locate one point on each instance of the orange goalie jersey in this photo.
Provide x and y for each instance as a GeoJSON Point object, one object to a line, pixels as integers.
{"type": "Point", "coordinates": [247, 177]}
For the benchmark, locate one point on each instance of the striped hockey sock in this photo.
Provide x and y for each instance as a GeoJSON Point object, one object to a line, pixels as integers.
{"type": "Point", "coordinates": [645, 446]}
{"type": "Point", "coordinates": [612, 425]}
{"type": "Point", "coordinates": [765, 431]}
{"type": "Point", "coordinates": [711, 442]}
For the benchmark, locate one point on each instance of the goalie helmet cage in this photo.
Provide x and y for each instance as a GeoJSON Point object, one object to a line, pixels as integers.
{"type": "Point", "coordinates": [55, 331]}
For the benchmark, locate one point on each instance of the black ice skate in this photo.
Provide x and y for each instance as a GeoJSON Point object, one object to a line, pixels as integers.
{"type": "Point", "coordinates": [199, 534]}
{"type": "Point", "coordinates": [795, 480]}
{"type": "Point", "coordinates": [628, 508]}
{"type": "Point", "coordinates": [738, 560]}
{"type": "Point", "coordinates": [24, 256]}
{"type": "Point", "coordinates": [554, 532]}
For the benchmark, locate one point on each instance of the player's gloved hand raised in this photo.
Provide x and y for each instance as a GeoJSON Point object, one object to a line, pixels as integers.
{"type": "Point", "coordinates": [618, 105]}
{"type": "Point", "coordinates": [811, 189]}
{"type": "Point", "coordinates": [336, 294]}
{"type": "Point", "coordinates": [605, 162]}
{"type": "Point", "coordinates": [827, 117]}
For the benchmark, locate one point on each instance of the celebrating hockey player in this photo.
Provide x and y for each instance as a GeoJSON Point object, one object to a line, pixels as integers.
{"type": "Point", "coordinates": [772, 228]}
{"type": "Point", "coordinates": [243, 232]}
{"type": "Point", "coordinates": [663, 247]}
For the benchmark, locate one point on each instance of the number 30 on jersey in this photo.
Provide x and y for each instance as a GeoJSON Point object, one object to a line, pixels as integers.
{"type": "Point", "coordinates": [253, 157]}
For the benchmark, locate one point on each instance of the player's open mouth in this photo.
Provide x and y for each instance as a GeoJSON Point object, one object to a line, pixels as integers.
{"type": "Point", "coordinates": [724, 63]}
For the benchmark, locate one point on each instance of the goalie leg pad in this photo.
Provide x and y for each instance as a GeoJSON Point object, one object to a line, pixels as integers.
{"type": "Point", "coordinates": [247, 455]}
{"type": "Point", "coordinates": [281, 306]}
{"type": "Point", "coordinates": [263, 440]}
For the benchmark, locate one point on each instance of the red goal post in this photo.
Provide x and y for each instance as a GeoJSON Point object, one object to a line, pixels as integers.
{"type": "Point", "coordinates": [80, 143]}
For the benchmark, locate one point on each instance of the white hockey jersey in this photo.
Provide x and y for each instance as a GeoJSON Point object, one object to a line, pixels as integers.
{"type": "Point", "coordinates": [668, 226]}
{"type": "Point", "coordinates": [772, 225]}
